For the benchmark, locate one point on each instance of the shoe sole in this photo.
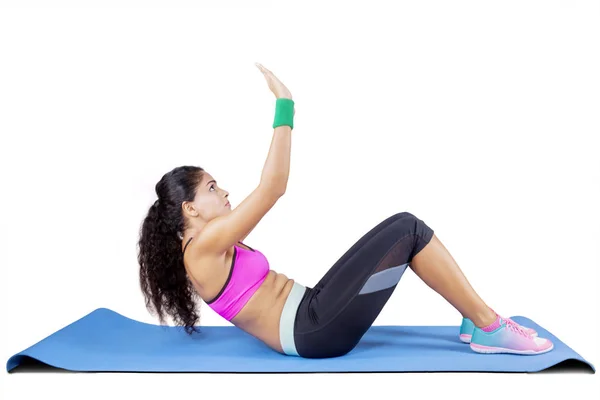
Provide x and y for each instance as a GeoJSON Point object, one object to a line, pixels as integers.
{"type": "Point", "coordinates": [491, 350]}
{"type": "Point", "coordinates": [467, 338]}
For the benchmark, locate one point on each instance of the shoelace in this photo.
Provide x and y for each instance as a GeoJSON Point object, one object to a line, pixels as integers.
{"type": "Point", "coordinates": [516, 327]}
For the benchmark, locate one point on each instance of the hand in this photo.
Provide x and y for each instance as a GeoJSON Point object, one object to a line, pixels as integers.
{"type": "Point", "coordinates": [278, 88]}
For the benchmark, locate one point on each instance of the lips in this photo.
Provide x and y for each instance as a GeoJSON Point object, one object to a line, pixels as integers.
{"type": "Point", "coordinates": [227, 204]}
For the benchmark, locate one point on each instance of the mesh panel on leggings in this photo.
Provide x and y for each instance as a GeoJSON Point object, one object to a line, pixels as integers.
{"type": "Point", "coordinates": [398, 255]}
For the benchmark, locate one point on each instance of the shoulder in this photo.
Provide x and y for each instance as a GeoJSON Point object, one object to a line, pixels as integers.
{"type": "Point", "coordinates": [200, 246]}
{"type": "Point", "coordinates": [200, 260]}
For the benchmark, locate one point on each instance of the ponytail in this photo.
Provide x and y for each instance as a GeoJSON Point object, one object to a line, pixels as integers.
{"type": "Point", "coordinates": [163, 279]}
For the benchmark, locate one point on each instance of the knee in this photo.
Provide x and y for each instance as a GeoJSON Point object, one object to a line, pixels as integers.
{"type": "Point", "coordinates": [402, 223]}
{"type": "Point", "coordinates": [404, 215]}
{"type": "Point", "coordinates": [408, 223]}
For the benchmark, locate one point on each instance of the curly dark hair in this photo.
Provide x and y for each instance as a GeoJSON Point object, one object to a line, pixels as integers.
{"type": "Point", "coordinates": [163, 279]}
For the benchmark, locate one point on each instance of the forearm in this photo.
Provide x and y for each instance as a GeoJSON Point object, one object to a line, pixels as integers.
{"type": "Point", "coordinates": [277, 166]}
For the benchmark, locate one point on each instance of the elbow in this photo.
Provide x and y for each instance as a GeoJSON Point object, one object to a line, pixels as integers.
{"type": "Point", "coordinates": [280, 186]}
{"type": "Point", "coordinates": [280, 192]}
{"type": "Point", "coordinates": [277, 189]}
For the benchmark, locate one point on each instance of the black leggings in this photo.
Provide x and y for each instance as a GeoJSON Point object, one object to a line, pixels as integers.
{"type": "Point", "coordinates": [330, 319]}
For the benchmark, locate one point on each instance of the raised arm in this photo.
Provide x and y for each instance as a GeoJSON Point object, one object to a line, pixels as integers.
{"type": "Point", "coordinates": [223, 232]}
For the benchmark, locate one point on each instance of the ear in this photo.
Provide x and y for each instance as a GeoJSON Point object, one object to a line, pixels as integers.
{"type": "Point", "coordinates": [188, 208]}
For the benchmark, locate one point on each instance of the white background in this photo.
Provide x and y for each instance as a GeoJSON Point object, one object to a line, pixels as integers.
{"type": "Point", "coordinates": [481, 118]}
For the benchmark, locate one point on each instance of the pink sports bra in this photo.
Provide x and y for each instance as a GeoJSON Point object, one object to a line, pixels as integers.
{"type": "Point", "coordinates": [249, 268]}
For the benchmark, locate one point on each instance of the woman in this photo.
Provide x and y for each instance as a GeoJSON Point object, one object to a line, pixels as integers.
{"type": "Point", "coordinates": [191, 246]}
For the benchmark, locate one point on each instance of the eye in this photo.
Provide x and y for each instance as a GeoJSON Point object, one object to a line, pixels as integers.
{"type": "Point", "coordinates": [212, 186]}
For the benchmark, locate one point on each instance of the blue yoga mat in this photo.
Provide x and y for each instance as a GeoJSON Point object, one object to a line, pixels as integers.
{"type": "Point", "coordinates": [107, 341]}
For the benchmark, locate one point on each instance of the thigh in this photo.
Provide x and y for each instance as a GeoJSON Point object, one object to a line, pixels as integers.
{"type": "Point", "coordinates": [341, 307]}
{"type": "Point", "coordinates": [355, 248]}
{"type": "Point", "coordinates": [391, 243]}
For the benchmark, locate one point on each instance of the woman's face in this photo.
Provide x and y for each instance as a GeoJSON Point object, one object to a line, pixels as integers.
{"type": "Point", "coordinates": [210, 200]}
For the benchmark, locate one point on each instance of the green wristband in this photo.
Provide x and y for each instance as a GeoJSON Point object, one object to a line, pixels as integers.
{"type": "Point", "coordinates": [284, 113]}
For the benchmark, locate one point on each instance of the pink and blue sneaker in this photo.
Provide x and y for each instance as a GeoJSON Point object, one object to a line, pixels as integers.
{"type": "Point", "coordinates": [467, 327]}
{"type": "Point", "coordinates": [508, 337]}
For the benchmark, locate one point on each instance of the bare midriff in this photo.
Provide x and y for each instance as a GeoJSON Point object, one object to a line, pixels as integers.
{"type": "Point", "coordinates": [260, 315]}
